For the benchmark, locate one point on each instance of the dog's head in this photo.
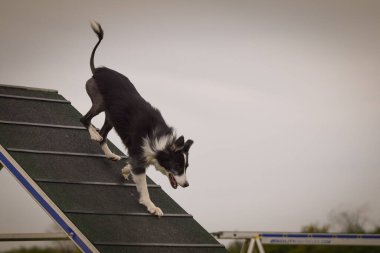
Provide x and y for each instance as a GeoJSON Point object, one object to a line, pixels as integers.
{"type": "Point", "coordinates": [174, 159]}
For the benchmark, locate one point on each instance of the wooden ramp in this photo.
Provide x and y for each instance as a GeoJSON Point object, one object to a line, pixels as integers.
{"type": "Point", "coordinates": [43, 144]}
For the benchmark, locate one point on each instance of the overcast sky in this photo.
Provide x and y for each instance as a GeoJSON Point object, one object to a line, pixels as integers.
{"type": "Point", "coordinates": [280, 97]}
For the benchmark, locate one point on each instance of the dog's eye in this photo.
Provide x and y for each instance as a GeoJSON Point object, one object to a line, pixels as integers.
{"type": "Point", "coordinates": [174, 172]}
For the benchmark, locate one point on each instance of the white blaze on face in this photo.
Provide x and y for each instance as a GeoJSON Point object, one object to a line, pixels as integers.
{"type": "Point", "coordinates": [182, 179]}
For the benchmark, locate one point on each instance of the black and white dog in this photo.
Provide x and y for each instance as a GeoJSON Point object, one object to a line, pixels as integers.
{"type": "Point", "coordinates": [149, 140]}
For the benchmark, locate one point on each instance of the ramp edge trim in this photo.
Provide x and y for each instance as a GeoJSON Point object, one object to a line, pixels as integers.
{"type": "Point", "coordinates": [169, 215]}
{"type": "Point", "coordinates": [27, 88]}
{"type": "Point", "coordinates": [58, 153]}
{"type": "Point", "coordinates": [92, 183]}
{"type": "Point", "coordinates": [20, 123]}
{"type": "Point", "coordinates": [174, 245]}
{"type": "Point", "coordinates": [36, 98]}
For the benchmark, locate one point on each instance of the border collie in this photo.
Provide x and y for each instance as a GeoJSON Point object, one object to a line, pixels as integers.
{"type": "Point", "coordinates": [141, 127]}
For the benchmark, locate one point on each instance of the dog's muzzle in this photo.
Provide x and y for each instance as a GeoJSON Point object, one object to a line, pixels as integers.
{"type": "Point", "coordinates": [178, 180]}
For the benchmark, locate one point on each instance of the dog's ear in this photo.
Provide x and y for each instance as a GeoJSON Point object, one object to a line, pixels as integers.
{"type": "Point", "coordinates": [179, 143]}
{"type": "Point", "coordinates": [187, 145]}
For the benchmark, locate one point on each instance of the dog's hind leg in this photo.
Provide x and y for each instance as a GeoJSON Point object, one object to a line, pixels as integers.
{"type": "Point", "coordinates": [96, 108]}
{"type": "Point", "coordinates": [103, 133]}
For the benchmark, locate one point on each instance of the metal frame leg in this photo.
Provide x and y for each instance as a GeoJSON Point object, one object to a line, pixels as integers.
{"type": "Point", "coordinates": [251, 247]}
{"type": "Point", "coordinates": [260, 245]}
{"type": "Point", "coordinates": [244, 246]}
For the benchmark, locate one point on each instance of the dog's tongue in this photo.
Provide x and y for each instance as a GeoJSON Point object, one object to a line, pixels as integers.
{"type": "Point", "coordinates": [173, 182]}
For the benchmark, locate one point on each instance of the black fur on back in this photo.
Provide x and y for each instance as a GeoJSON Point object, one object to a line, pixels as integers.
{"type": "Point", "coordinates": [132, 116]}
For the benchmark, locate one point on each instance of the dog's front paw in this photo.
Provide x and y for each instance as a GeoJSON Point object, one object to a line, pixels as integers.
{"type": "Point", "coordinates": [155, 211]}
{"type": "Point", "coordinates": [151, 207]}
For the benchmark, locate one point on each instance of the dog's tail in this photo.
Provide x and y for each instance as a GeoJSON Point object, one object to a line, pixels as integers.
{"type": "Point", "coordinates": [99, 31]}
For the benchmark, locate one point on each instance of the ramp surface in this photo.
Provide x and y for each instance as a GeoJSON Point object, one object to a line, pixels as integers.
{"type": "Point", "coordinates": [46, 148]}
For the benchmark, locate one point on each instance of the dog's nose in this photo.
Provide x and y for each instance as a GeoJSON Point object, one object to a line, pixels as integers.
{"type": "Point", "coordinates": [186, 184]}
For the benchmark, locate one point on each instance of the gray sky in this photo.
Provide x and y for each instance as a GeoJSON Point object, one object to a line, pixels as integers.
{"type": "Point", "coordinates": [281, 98]}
